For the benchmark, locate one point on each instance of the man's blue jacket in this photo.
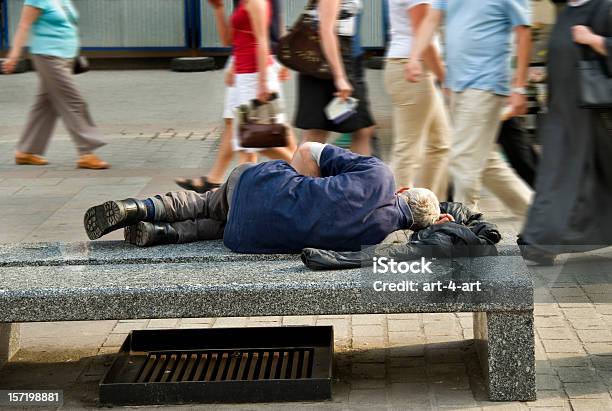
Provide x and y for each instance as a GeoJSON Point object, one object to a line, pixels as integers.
{"type": "Point", "coordinates": [276, 210]}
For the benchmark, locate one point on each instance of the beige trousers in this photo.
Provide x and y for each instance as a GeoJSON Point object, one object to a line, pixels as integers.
{"type": "Point", "coordinates": [475, 158]}
{"type": "Point", "coordinates": [421, 131]}
{"type": "Point", "coordinates": [57, 97]}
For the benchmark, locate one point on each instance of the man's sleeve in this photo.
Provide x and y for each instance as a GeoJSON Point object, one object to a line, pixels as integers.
{"type": "Point", "coordinates": [519, 12]}
{"type": "Point", "coordinates": [336, 160]}
{"type": "Point", "coordinates": [440, 5]}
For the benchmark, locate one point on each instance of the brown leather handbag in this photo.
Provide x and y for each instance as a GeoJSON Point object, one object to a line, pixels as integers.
{"type": "Point", "coordinates": [256, 132]}
{"type": "Point", "coordinates": [300, 49]}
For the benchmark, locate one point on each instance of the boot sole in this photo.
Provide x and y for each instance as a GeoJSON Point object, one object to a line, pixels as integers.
{"type": "Point", "coordinates": [103, 219]}
{"type": "Point", "coordinates": [137, 234]}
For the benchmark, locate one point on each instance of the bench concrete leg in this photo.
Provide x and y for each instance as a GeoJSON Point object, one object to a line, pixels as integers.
{"type": "Point", "coordinates": [506, 347]}
{"type": "Point", "coordinates": [9, 342]}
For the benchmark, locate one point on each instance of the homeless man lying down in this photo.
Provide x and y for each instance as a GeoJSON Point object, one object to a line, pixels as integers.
{"type": "Point", "coordinates": [327, 198]}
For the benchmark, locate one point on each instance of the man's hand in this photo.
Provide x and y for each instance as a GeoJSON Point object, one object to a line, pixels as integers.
{"type": "Point", "coordinates": [445, 218]}
{"type": "Point", "coordinates": [216, 4]}
{"type": "Point", "coordinates": [343, 88]}
{"type": "Point", "coordinates": [414, 70]}
{"type": "Point", "coordinates": [518, 105]}
{"type": "Point", "coordinates": [9, 64]}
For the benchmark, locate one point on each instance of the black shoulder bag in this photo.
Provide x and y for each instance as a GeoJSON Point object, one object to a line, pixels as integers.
{"type": "Point", "coordinates": [594, 75]}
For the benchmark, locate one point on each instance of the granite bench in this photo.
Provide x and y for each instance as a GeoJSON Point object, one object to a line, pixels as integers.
{"type": "Point", "coordinates": [109, 280]}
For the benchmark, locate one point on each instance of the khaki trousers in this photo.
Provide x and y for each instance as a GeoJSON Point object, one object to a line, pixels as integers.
{"type": "Point", "coordinates": [475, 158]}
{"type": "Point", "coordinates": [421, 131]}
{"type": "Point", "coordinates": [57, 97]}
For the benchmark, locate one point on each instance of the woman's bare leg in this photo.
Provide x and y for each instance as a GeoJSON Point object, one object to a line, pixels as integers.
{"type": "Point", "coordinates": [278, 153]}
{"type": "Point", "coordinates": [292, 146]}
{"type": "Point", "coordinates": [362, 141]}
{"type": "Point", "coordinates": [244, 157]}
{"type": "Point", "coordinates": [318, 136]}
{"type": "Point", "coordinates": [224, 157]}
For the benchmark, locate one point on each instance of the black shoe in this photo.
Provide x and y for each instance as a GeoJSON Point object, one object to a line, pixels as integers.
{"type": "Point", "coordinates": [113, 215]}
{"type": "Point", "coordinates": [537, 255]}
{"type": "Point", "coordinates": [146, 234]}
{"type": "Point", "coordinates": [200, 185]}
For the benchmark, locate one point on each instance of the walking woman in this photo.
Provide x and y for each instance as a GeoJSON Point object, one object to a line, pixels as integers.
{"type": "Point", "coordinates": [216, 175]}
{"type": "Point", "coordinates": [421, 130]}
{"type": "Point", "coordinates": [571, 210]}
{"type": "Point", "coordinates": [51, 26]}
{"type": "Point", "coordinates": [338, 29]}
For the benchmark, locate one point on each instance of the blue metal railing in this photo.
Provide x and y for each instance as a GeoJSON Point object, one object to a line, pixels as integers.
{"type": "Point", "coordinates": [197, 26]}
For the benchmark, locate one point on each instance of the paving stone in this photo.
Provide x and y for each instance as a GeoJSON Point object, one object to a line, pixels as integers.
{"type": "Point", "coordinates": [567, 360]}
{"type": "Point", "coordinates": [405, 338]}
{"type": "Point", "coordinates": [549, 400]}
{"type": "Point", "coordinates": [370, 370]}
{"type": "Point", "coordinates": [408, 375]}
{"type": "Point", "coordinates": [306, 320]}
{"type": "Point", "coordinates": [594, 335]}
{"type": "Point", "coordinates": [461, 399]}
{"type": "Point", "coordinates": [591, 404]}
{"type": "Point", "coordinates": [170, 323]}
{"type": "Point", "coordinates": [583, 390]}
{"type": "Point", "coordinates": [402, 351]}
{"type": "Point", "coordinates": [598, 348]}
{"type": "Point", "coordinates": [368, 342]}
{"type": "Point", "coordinates": [368, 330]}
{"type": "Point", "coordinates": [369, 319]}
{"type": "Point", "coordinates": [230, 322]}
{"type": "Point", "coordinates": [547, 382]}
{"type": "Point", "coordinates": [115, 340]}
{"type": "Point", "coordinates": [575, 374]}
{"type": "Point", "coordinates": [368, 397]}
{"type": "Point", "coordinates": [555, 333]}
{"type": "Point", "coordinates": [566, 346]}
{"type": "Point", "coordinates": [403, 325]}
{"type": "Point", "coordinates": [588, 323]}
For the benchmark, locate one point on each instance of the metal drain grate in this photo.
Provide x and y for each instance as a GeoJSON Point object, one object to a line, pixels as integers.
{"type": "Point", "coordinates": [226, 365]}
{"type": "Point", "coordinates": [158, 367]}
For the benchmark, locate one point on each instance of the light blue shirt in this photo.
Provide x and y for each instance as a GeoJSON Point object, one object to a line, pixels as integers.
{"type": "Point", "coordinates": [55, 32]}
{"type": "Point", "coordinates": [479, 42]}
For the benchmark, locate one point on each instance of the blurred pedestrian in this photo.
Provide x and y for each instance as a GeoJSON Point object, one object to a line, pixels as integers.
{"type": "Point", "coordinates": [421, 130]}
{"type": "Point", "coordinates": [478, 50]}
{"type": "Point", "coordinates": [338, 29]}
{"type": "Point", "coordinates": [216, 175]}
{"type": "Point", "coordinates": [574, 181]}
{"type": "Point", "coordinates": [51, 26]}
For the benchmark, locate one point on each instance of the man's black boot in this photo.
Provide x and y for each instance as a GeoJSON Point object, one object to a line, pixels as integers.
{"type": "Point", "coordinates": [113, 215]}
{"type": "Point", "coordinates": [145, 234]}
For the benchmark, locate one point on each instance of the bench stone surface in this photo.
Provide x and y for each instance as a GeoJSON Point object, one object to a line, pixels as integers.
{"type": "Point", "coordinates": [114, 252]}
{"type": "Point", "coordinates": [109, 280]}
{"type": "Point", "coordinates": [118, 252]}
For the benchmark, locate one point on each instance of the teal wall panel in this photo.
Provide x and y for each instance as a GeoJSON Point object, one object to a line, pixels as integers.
{"type": "Point", "coordinates": [124, 23]}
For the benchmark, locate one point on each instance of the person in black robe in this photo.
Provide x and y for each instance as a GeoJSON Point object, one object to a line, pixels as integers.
{"type": "Point", "coordinates": [571, 211]}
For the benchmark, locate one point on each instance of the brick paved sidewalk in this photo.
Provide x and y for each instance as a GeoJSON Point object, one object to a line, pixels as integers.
{"type": "Point", "coordinates": [390, 362]}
